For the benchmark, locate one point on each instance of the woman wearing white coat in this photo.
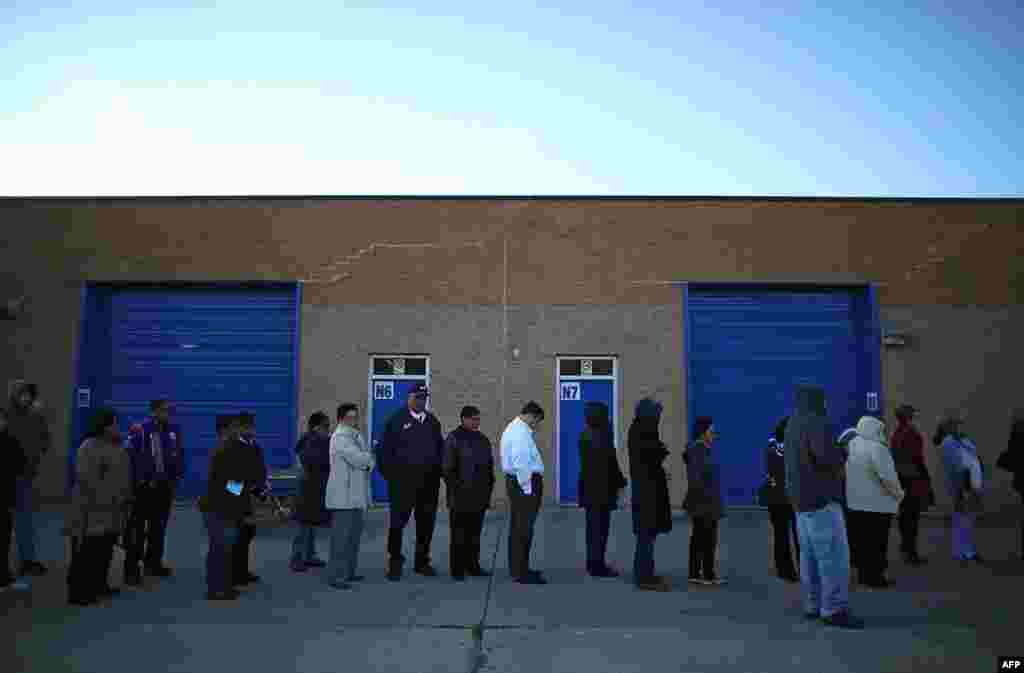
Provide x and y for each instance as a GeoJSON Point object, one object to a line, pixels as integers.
{"type": "Point", "coordinates": [347, 496]}
{"type": "Point", "coordinates": [873, 496]}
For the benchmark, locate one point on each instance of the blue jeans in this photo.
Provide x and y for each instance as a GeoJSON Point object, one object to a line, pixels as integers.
{"type": "Point", "coordinates": [223, 535]}
{"type": "Point", "coordinates": [346, 533]}
{"type": "Point", "coordinates": [824, 560]}
{"type": "Point", "coordinates": [643, 559]}
{"type": "Point", "coordinates": [304, 545]}
{"type": "Point", "coordinates": [25, 521]}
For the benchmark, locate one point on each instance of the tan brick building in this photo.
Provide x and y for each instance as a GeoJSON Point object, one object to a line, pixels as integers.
{"type": "Point", "coordinates": [492, 291]}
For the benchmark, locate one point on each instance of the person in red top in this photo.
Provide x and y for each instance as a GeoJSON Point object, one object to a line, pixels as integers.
{"type": "Point", "coordinates": [907, 445]}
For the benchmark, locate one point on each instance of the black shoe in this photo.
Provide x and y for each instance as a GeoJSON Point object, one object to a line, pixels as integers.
{"type": "Point", "coordinates": [877, 583]}
{"type": "Point", "coordinates": [604, 572]}
{"type": "Point", "coordinates": [81, 601]}
{"type": "Point", "coordinates": [913, 559]}
{"type": "Point", "coordinates": [246, 579]}
{"type": "Point", "coordinates": [843, 620]}
{"type": "Point", "coordinates": [316, 563]}
{"type": "Point", "coordinates": [34, 568]}
{"type": "Point", "coordinates": [222, 595]}
{"type": "Point", "coordinates": [159, 571]}
{"type": "Point", "coordinates": [479, 572]}
{"type": "Point", "coordinates": [809, 616]}
{"type": "Point", "coordinates": [531, 579]}
{"type": "Point", "coordinates": [459, 577]}
{"type": "Point", "coordinates": [789, 577]}
{"type": "Point", "coordinates": [132, 579]}
{"type": "Point", "coordinates": [110, 592]}
{"type": "Point", "coordinates": [356, 578]}
{"type": "Point", "coordinates": [344, 586]}
{"type": "Point", "coordinates": [535, 573]}
{"type": "Point", "coordinates": [426, 570]}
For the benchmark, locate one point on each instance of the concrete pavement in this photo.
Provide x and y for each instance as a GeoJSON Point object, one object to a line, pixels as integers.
{"type": "Point", "coordinates": [941, 617]}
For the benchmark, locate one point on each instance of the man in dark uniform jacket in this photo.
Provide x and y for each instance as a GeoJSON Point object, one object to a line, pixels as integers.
{"type": "Point", "coordinates": [410, 460]}
{"type": "Point", "coordinates": [469, 479]}
{"type": "Point", "coordinates": [256, 485]}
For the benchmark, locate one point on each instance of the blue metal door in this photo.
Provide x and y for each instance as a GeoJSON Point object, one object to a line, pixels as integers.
{"type": "Point", "coordinates": [573, 394]}
{"type": "Point", "coordinates": [211, 350]}
{"type": "Point", "coordinates": [748, 348]}
{"type": "Point", "coordinates": [389, 395]}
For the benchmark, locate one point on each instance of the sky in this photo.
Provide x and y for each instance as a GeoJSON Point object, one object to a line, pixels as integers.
{"type": "Point", "coordinates": [478, 98]}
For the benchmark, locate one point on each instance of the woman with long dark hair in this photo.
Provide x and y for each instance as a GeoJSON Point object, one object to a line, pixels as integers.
{"type": "Point", "coordinates": [100, 503]}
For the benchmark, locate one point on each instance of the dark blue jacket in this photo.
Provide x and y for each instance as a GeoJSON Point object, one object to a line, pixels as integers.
{"type": "Point", "coordinates": [410, 444]}
{"type": "Point", "coordinates": [143, 463]}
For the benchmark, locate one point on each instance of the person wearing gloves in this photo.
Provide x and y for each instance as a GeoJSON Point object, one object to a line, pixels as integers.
{"type": "Point", "coordinates": [873, 496]}
{"type": "Point", "coordinates": [600, 482]}
{"type": "Point", "coordinates": [964, 481]}
{"type": "Point", "coordinates": [652, 509]}
{"type": "Point", "coordinates": [100, 502]}
{"type": "Point", "coordinates": [524, 479]}
{"type": "Point", "coordinates": [347, 496]}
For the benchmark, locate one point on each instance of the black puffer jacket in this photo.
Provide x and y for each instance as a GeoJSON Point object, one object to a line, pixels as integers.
{"type": "Point", "coordinates": [652, 509]}
{"type": "Point", "coordinates": [468, 470]}
{"type": "Point", "coordinates": [600, 477]}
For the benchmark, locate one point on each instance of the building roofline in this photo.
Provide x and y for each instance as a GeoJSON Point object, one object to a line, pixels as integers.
{"type": "Point", "coordinates": [101, 200]}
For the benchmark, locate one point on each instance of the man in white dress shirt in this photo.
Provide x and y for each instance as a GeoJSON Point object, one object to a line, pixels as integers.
{"type": "Point", "coordinates": [524, 478]}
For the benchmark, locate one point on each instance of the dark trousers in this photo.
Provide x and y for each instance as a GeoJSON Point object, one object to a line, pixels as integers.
{"type": "Point", "coordinates": [643, 558]}
{"type": "Point", "coordinates": [223, 534]}
{"type": "Point", "coordinates": [147, 526]}
{"type": "Point", "coordinates": [783, 524]}
{"type": "Point", "coordinates": [89, 572]}
{"type": "Point", "coordinates": [6, 527]}
{"type": "Point", "coordinates": [464, 555]}
{"type": "Point", "coordinates": [240, 552]}
{"type": "Point", "coordinates": [523, 517]}
{"type": "Point", "coordinates": [599, 522]}
{"type": "Point", "coordinates": [909, 524]}
{"type": "Point", "coordinates": [419, 493]}
{"type": "Point", "coordinates": [703, 543]}
{"type": "Point", "coordinates": [869, 543]}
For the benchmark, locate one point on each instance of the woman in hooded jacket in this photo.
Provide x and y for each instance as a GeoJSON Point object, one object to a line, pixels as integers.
{"type": "Point", "coordinates": [873, 495]}
{"type": "Point", "coordinates": [600, 481]}
{"type": "Point", "coordinates": [964, 482]}
{"type": "Point", "coordinates": [652, 510]}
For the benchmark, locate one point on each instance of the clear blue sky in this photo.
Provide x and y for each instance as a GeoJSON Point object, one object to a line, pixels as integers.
{"type": "Point", "coordinates": [233, 97]}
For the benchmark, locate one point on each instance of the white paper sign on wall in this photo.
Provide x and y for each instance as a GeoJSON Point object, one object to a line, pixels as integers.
{"type": "Point", "coordinates": [84, 398]}
{"type": "Point", "coordinates": [571, 392]}
{"type": "Point", "coordinates": [872, 401]}
{"type": "Point", "coordinates": [384, 390]}
{"type": "Point", "coordinates": [587, 367]}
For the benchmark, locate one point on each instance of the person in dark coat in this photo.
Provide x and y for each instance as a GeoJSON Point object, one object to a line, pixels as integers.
{"type": "Point", "coordinates": [13, 463]}
{"type": "Point", "coordinates": [469, 479]}
{"type": "Point", "coordinates": [1012, 460]}
{"type": "Point", "coordinates": [907, 447]}
{"type": "Point", "coordinates": [600, 482]}
{"type": "Point", "coordinates": [314, 450]}
{"type": "Point", "coordinates": [703, 502]}
{"type": "Point", "coordinates": [32, 429]}
{"type": "Point", "coordinates": [158, 464]}
{"type": "Point", "coordinates": [780, 510]}
{"type": "Point", "coordinates": [256, 486]}
{"type": "Point", "coordinates": [652, 509]}
{"type": "Point", "coordinates": [226, 505]}
{"type": "Point", "coordinates": [410, 460]}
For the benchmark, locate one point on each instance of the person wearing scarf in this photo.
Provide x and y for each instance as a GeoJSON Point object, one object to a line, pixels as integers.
{"type": "Point", "coordinates": [652, 509]}
{"type": "Point", "coordinates": [964, 483]}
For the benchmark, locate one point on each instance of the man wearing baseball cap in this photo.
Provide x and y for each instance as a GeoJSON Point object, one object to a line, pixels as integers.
{"type": "Point", "coordinates": [410, 460]}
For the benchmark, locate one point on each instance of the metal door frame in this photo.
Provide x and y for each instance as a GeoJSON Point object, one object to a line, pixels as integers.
{"type": "Point", "coordinates": [616, 425]}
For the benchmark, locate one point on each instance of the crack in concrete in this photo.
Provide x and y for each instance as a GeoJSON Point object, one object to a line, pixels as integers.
{"type": "Point", "coordinates": [349, 260]}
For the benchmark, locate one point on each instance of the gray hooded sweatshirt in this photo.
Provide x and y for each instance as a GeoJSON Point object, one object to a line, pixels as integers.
{"type": "Point", "coordinates": [814, 462]}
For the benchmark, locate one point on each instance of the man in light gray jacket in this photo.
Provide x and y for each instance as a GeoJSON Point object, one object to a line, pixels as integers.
{"type": "Point", "coordinates": [347, 496]}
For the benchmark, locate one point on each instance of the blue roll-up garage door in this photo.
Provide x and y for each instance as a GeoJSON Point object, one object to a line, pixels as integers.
{"type": "Point", "coordinates": [747, 347]}
{"type": "Point", "coordinates": [211, 350]}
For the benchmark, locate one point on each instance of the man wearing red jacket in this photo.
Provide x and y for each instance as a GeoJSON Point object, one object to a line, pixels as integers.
{"type": "Point", "coordinates": [907, 446]}
{"type": "Point", "coordinates": [158, 463]}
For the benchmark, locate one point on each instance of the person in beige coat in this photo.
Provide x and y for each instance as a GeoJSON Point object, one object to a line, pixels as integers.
{"type": "Point", "coordinates": [873, 496]}
{"type": "Point", "coordinates": [347, 496]}
{"type": "Point", "coordinates": [100, 504]}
